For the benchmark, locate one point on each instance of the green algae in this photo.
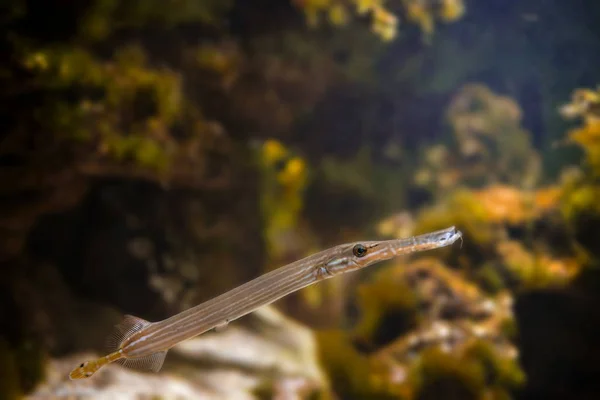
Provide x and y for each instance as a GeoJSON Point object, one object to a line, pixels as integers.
{"type": "Point", "coordinates": [352, 374]}
{"type": "Point", "coordinates": [475, 373]}
{"type": "Point", "coordinates": [442, 375]}
{"type": "Point", "coordinates": [9, 373]}
{"type": "Point", "coordinates": [22, 367]}
{"type": "Point", "coordinates": [388, 308]}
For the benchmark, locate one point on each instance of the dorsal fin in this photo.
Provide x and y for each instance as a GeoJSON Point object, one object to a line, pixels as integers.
{"type": "Point", "coordinates": [127, 327]}
{"type": "Point", "coordinates": [153, 362]}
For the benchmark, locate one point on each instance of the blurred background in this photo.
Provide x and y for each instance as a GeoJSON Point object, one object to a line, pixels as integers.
{"type": "Point", "coordinates": [157, 153]}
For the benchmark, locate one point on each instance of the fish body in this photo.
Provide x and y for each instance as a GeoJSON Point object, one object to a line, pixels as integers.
{"type": "Point", "coordinates": [143, 345]}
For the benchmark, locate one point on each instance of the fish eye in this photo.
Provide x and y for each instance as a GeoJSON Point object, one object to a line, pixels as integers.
{"type": "Point", "coordinates": [359, 250]}
{"type": "Point", "coordinates": [82, 365]}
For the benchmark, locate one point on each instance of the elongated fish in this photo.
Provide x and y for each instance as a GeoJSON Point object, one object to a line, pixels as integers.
{"type": "Point", "coordinates": [143, 345]}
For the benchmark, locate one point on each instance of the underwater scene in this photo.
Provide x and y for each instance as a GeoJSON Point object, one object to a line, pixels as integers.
{"type": "Point", "coordinates": [300, 199]}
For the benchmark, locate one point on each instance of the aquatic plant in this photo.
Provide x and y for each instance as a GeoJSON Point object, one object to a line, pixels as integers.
{"type": "Point", "coordinates": [21, 367]}
{"type": "Point", "coordinates": [171, 95]}
{"type": "Point", "coordinates": [461, 343]}
{"type": "Point", "coordinates": [9, 372]}
{"type": "Point", "coordinates": [488, 145]}
{"type": "Point", "coordinates": [284, 179]}
{"type": "Point", "coordinates": [384, 21]}
{"type": "Point", "coordinates": [363, 175]}
{"type": "Point", "coordinates": [425, 331]}
{"type": "Point", "coordinates": [477, 371]}
{"type": "Point", "coordinates": [388, 308]}
{"type": "Point", "coordinates": [352, 374]}
{"type": "Point", "coordinates": [578, 184]}
{"type": "Point", "coordinates": [490, 253]}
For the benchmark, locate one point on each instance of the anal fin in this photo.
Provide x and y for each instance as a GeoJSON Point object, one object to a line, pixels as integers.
{"type": "Point", "coordinates": [153, 362]}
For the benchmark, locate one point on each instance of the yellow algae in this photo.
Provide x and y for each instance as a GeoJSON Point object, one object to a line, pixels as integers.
{"type": "Point", "coordinates": [437, 372]}
{"type": "Point", "coordinates": [547, 198]}
{"type": "Point", "coordinates": [451, 10]}
{"type": "Point", "coordinates": [384, 23]}
{"type": "Point", "coordinates": [503, 203]}
{"type": "Point", "coordinates": [352, 374]}
{"type": "Point", "coordinates": [537, 270]}
{"type": "Point", "coordinates": [273, 151]}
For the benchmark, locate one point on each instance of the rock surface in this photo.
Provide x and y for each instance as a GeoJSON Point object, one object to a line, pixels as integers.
{"type": "Point", "coordinates": [266, 354]}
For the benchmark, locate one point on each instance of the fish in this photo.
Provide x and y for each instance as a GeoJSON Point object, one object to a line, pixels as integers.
{"type": "Point", "coordinates": [141, 345]}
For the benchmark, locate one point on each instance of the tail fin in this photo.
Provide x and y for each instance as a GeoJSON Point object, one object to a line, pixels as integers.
{"type": "Point", "coordinates": [123, 331]}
